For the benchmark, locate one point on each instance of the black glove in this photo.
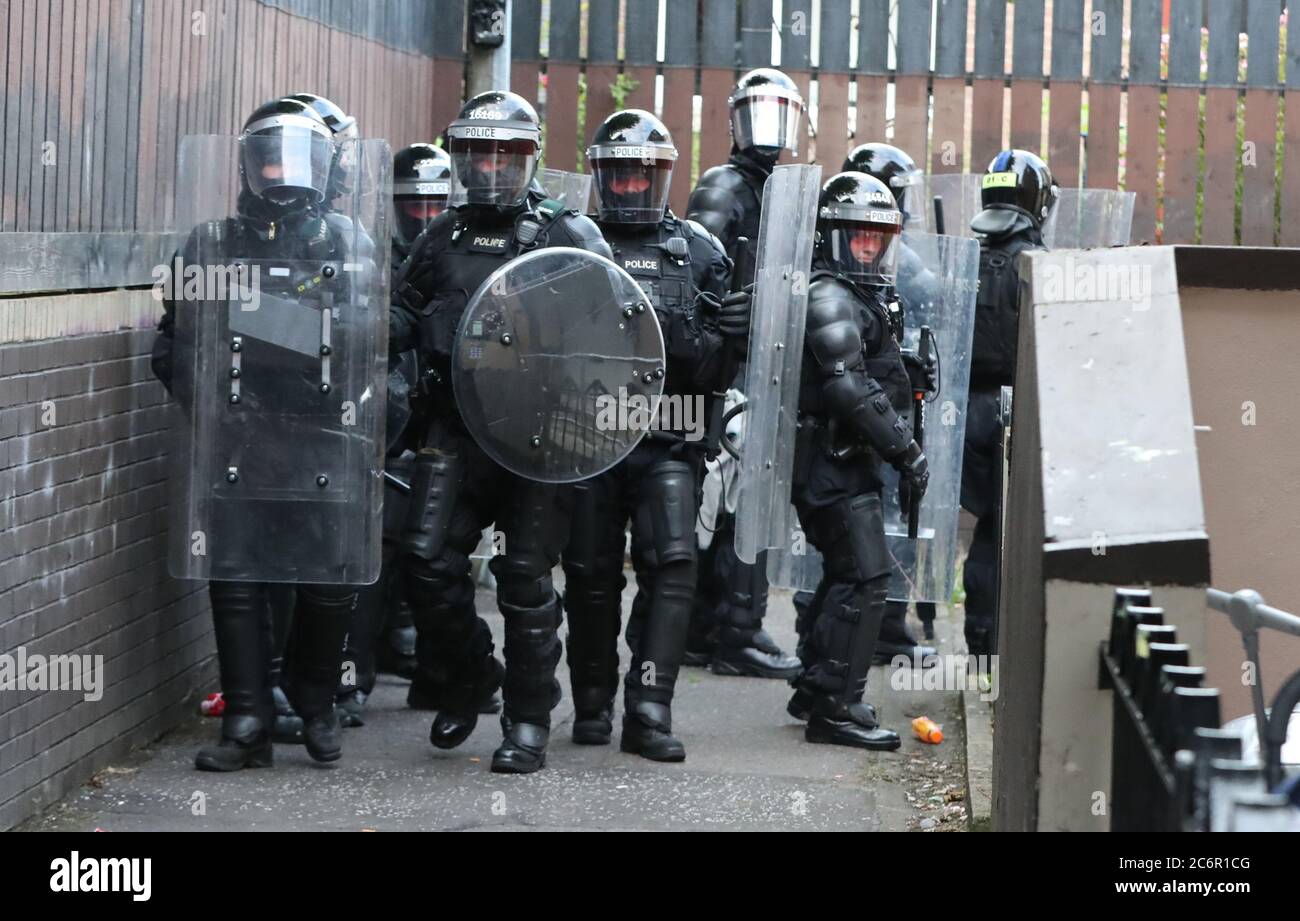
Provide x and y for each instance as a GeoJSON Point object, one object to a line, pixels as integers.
{"type": "Point", "coordinates": [733, 313]}
{"type": "Point", "coordinates": [922, 376]}
{"type": "Point", "coordinates": [913, 475]}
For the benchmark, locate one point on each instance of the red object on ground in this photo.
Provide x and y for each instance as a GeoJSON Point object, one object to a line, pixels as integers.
{"type": "Point", "coordinates": [213, 705]}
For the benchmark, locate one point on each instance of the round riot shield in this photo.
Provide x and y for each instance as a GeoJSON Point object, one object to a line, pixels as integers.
{"type": "Point", "coordinates": [558, 366]}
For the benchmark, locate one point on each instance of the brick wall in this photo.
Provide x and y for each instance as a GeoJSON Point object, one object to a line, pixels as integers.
{"type": "Point", "coordinates": [83, 497]}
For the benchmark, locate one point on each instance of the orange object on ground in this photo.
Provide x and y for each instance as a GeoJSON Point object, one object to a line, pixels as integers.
{"type": "Point", "coordinates": [926, 730]}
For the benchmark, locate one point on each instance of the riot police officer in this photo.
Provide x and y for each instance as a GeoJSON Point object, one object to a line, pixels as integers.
{"type": "Point", "coordinates": [382, 635]}
{"type": "Point", "coordinates": [727, 621]}
{"type": "Point", "coordinates": [421, 192]}
{"type": "Point", "coordinates": [286, 153]}
{"type": "Point", "coordinates": [852, 383]}
{"type": "Point", "coordinates": [684, 270]}
{"type": "Point", "coordinates": [899, 172]}
{"type": "Point", "coordinates": [1017, 194]}
{"type": "Point", "coordinates": [456, 489]}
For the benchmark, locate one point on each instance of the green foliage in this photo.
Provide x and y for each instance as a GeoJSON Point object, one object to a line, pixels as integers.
{"type": "Point", "coordinates": [623, 87]}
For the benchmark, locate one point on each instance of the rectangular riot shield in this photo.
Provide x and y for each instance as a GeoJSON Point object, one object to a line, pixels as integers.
{"type": "Point", "coordinates": [941, 298]}
{"type": "Point", "coordinates": [573, 189]}
{"type": "Point", "coordinates": [280, 309]}
{"type": "Point", "coordinates": [1090, 218]}
{"type": "Point", "coordinates": [764, 516]}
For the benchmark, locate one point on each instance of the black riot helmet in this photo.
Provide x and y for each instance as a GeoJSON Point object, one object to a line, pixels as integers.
{"type": "Point", "coordinates": [632, 157]}
{"type": "Point", "coordinates": [494, 144]}
{"type": "Point", "coordinates": [766, 113]}
{"type": "Point", "coordinates": [421, 188]}
{"type": "Point", "coordinates": [344, 128]}
{"type": "Point", "coordinates": [285, 154]}
{"type": "Point", "coordinates": [859, 228]}
{"type": "Point", "coordinates": [1017, 192]}
{"type": "Point", "coordinates": [895, 169]}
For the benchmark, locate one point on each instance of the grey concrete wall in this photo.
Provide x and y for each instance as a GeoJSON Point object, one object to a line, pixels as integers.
{"type": "Point", "coordinates": [1104, 492]}
{"type": "Point", "coordinates": [83, 494]}
{"type": "Point", "coordinates": [1242, 322]}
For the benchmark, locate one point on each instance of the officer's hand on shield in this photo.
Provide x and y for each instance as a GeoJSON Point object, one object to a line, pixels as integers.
{"type": "Point", "coordinates": [923, 375]}
{"type": "Point", "coordinates": [913, 475]}
{"type": "Point", "coordinates": [733, 313]}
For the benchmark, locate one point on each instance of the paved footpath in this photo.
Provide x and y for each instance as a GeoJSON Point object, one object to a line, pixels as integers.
{"type": "Point", "coordinates": [747, 768]}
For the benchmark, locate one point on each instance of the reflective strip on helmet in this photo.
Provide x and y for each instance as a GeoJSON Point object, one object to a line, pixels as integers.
{"type": "Point", "coordinates": [999, 181]}
{"type": "Point", "coordinates": [846, 211]}
{"type": "Point", "coordinates": [916, 177]}
{"type": "Point", "coordinates": [285, 120]}
{"type": "Point", "coordinates": [442, 187]}
{"type": "Point", "coordinates": [467, 130]}
{"type": "Point", "coordinates": [767, 89]}
{"type": "Point", "coordinates": [643, 152]}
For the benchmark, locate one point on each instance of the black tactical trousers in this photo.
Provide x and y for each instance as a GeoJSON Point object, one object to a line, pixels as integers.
{"type": "Point", "coordinates": [839, 625]}
{"type": "Point", "coordinates": [659, 494]}
{"type": "Point", "coordinates": [467, 491]}
{"type": "Point", "coordinates": [243, 624]}
{"type": "Point", "coordinates": [980, 486]}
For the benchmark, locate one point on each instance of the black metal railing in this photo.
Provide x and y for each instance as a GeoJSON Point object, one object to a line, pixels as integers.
{"type": "Point", "coordinates": [1173, 766]}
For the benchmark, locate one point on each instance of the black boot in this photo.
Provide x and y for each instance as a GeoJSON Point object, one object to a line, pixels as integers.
{"type": "Point", "coordinates": [288, 724]}
{"type": "Point", "coordinates": [396, 651]}
{"type": "Point", "coordinates": [463, 702]}
{"type": "Point", "coordinates": [896, 639]}
{"type": "Point", "coordinates": [593, 717]}
{"type": "Point", "coordinates": [594, 613]}
{"type": "Point", "coordinates": [523, 749]}
{"type": "Point", "coordinates": [530, 691]}
{"type": "Point", "coordinates": [357, 677]}
{"type": "Point", "coordinates": [833, 722]}
{"type": "Point", "coordinates": [648, 732]}
{"type": "Point", "coordinates": [752, 654]}
{"type": "Point", "coordinates": [240, 621]}
{"type": "Point", "coordinates": [282, 597]}
{"type": "Point", "coordinates": [244, 743]}
{"type": "Point", "coordinates": [319, 629]}
{"type": "Point", "coordinates": [801, 704]}
{"type": "Point", "coordinates": [743, 647]}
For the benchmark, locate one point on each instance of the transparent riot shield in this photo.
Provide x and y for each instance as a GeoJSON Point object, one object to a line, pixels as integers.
{"type": "Point", "coordinates": [1090, 218]}
{"type": "Point", "coordinates": [764, 516]}
{"type": "Point", "coordinates": [280, 307]}
{"type": "Point", "coordinates": [941, 300]}
{"type": "Point", "coordinates": [573, 189]}
{"type": "Point", "coordinates": [960, 195]}
{"type": "Point", "coordinates": [558, 365]}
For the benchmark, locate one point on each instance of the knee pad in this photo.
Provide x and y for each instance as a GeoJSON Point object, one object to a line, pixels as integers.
{"type": "Point", "coordinates": [665, 516]}
{"type": "Point", "coordinates": [851, 537]}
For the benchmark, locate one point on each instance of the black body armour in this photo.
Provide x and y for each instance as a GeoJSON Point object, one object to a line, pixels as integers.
{"type": "Point", "coordinates": [997, 311]}
{"type": "Point", "coordinates": [674, 261]}
{"type": "Point", "coordinates": [728, 202]}
{"type": "Point", "coordinates": [823, 438]}
{"type": "Point", "coordinates": [451, 260]}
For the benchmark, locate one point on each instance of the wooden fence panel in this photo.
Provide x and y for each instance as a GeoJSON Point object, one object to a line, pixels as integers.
{"type": "Point", "coordinates": [873, 70]}
{"type": "Point", "coordinates": [1027, 75]}
{"type": "Point", "coordinates": [833, 86]}
{"type": "Point", "coordinates": [681, 57]}
{"type": "Point", "coordinates": [1182, 121]}
{"type": "Point", "coordinates": [987, 94]}
{"type": "Point", "coordinates": [717, 79]}
{"type": "Point", "coordinates": [1142, 153]}
{"type": "Point", "coordinates": [1066, 93]}
{"type": "Point", "coordinates": [948, 125]}
{"type": "Point", "coordinates": [1258, 193]}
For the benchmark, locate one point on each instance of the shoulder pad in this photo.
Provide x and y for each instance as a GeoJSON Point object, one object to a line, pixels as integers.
{"type": "Point", "coordinates": [723, 176]}
{"type": "Point", "coordinates": [552, 208]}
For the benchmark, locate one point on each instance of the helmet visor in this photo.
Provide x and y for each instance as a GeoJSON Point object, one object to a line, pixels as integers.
{"type": "Point", "coordinates": [416, 213]}
{"type": "Point", "coordinates": [285, 163]}
{"type": "Point", "coordinates": [632, 191]}
{"type": "Point", "coordinates": [909, 191]}
{"type": "Point", "coordinates": [493, 171]}
{"type": "Point", "coordinates": [767, 121]}
{"type": "Point", "coordinates": [864, 251]}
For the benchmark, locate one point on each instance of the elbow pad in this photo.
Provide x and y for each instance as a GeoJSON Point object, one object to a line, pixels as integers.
{"type": "Point", "coordinates": [863, 404]}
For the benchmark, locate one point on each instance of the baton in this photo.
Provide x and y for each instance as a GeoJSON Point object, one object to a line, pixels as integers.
{"type": "Point", "coordinates": [938, 215]}
{"type": "Point", "coordinates": [918, 428]}
{"type": "Point", "coordinates": [739, 270]}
